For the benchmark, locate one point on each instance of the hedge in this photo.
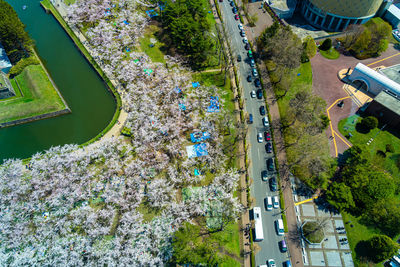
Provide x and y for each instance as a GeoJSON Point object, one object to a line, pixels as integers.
{"type": "Point", "coordinates": [22, 64]}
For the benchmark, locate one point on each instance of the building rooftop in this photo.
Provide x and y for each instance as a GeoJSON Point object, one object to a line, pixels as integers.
{"type": "Point", "coordinates": [388, 101]}
{"type": "Point", "coordinates": [5, 64]}
{"type": "Point", "coordinates": [394, 10]}
{"type": "Point", "coordinates": [392, 72]}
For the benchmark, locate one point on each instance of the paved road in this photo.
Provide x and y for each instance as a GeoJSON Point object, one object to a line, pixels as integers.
{"type": "Point", "coordinates": [269, 246]}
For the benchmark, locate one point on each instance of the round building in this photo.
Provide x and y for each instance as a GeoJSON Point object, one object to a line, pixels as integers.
{"type": "Point", "coordinates": [336, 15]}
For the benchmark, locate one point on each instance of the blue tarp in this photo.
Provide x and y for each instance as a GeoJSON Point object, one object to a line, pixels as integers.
{"type": "Point", "coordinates": [152, 13]}
{"type": "Point", "coordinates": [199, 136]}
{"type": "Point", "coordinates": [214, 104]}
{"type": "Point", "coordinates": [197, 150]}
{"type": "Point", "coordinates": [126, 23]}
{"type": "Point", "coordinates": [195, 84]}
{"type": "Point", "coordinates": [182, 106]}
{"type": "Point", "coordinates": [177, 90]}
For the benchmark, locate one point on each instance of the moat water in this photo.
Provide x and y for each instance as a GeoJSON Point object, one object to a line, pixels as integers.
{"type": "Point", "coordinates": [84, 91]}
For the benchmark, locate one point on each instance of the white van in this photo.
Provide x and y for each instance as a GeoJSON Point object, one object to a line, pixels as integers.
{"type": "Point", "coordinates": [279, 227]}
{"type": "Point", "coordinates": [268, 203]}
{"type": "Point", "coordinates": [276, 202]}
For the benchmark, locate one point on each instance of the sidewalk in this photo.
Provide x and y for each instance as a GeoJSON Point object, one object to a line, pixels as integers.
{"type": "Point", "coordinates": [295, 249]}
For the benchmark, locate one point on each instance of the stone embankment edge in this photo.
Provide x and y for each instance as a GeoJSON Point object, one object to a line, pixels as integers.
{"type": "Point", "coordinates": [49, 8]}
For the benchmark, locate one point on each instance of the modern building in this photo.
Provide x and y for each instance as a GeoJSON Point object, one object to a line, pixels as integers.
{"type": "Point", "coordinates": [337, 15]}
{"type": "Point", "coordinates": [283, 8]}
{"type": "Point", "coordinates": [392, 15]}
{"type": "Point", "coordinates": [5, 64]}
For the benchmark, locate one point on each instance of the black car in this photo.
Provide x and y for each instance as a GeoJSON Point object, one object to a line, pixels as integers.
{"type": "Point", "coordinates": [257, 82]}
{"type": "Point", "coordinates": [239, 58]}
{"type": "Point", "coordinates": [234, 10]}
{"type": "Point", "coordinates": [268, 147]}
{"type": "Point", "coordinates": [272, 184]}
{"type": "Point", "coordinates": [270, 164]}
{"type": "Point", "coordinates": [264, 175]}
{"type": "Point", "coordinates": [259, 94]}
{"type": "Point", "coordinates": [242, 33]}
{"type": "Point", "coordinates": [262, 110]}
{"type": "Point", "coordinates": [249, 78]}
{"type": "Point", "coordinates": [247, 46]}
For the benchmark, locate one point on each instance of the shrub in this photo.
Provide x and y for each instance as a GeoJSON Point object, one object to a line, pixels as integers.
{"type": "Point", "coordinates": [326, 45]}
{"type": "Point", "coordinates": [389, 148]}
{"type": "Point", "coordinates": [381, 153]}
{"type": "Point", "coordinates": [369, 122]}
{"type": "Point", "coordinates": [21, 65]}
{"type": "Point", "coordinates": [309, 47]}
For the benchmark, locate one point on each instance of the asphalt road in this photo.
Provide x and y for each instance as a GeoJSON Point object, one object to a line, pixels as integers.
{"type": "Point", "coordinates": [269, 248]}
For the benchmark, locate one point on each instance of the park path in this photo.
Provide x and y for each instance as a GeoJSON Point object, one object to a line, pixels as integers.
{"type": "Point", "coordinates": [296, 253]}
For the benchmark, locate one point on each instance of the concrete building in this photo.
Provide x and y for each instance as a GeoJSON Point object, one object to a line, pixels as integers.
{"type": "Point", "coordinates": [5, 64]}
{"type": "Point", "coordinates": [392, 15]}
{"type": "Point", "coordinates": [337, 15]}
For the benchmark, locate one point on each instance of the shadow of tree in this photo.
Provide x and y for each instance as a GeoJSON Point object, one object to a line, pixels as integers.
{"type": "Point", "coordinates": [294, 236]}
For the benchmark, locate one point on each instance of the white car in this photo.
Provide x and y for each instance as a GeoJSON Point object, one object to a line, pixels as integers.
{"type": "Point", "coordinates": [240, 26]}
{"type": "Point", "coordinates": [275, 202]}
{"type": "Point", "coordinates": [271, 263]}
{"type": "Point", "coordinates": [268, 203]}
{"type": "Point", "coordinates": [253, 94]}
{"type": "Point", "coordinates": [260, 137]}
{"type": "Point", "coordinates": [245, 40]}
{"type": "Point", "coordinates": [265, 121]}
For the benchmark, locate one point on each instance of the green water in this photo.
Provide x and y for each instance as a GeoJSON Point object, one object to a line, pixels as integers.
{"type": "Point", "coordinates": [91, 104]}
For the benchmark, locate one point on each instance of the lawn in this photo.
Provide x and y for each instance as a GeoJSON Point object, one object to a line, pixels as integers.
{"type": "Point", "coordinates": [391, 162]}
{"type": "Point", "coordinates": [332, 53]}
{"type": "Point", "coordinates": [153, 52]}
{"type": "Point", "coordinates": [39, 96]}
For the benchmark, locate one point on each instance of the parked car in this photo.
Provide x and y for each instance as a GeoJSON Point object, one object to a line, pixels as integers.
{"type": "Point", "coordinates": [234, 10]}
{"type": "Point", "coordinates": [245, 40]}
{"type": "Point", "coordinates": [265, 121]}
{"type": "Point", "coordinates": [242, 33]}
{"type": "Point", "coordinates": [268, 147]}
{"type": "Point", "coordinates": [249, 78]}
{"type": "Point", "coordinates": [247, 46]}
{"type": "Point", "coordinates": [282, 246]}
{"type": "Point", "coordinates": [240, 26]}
{"type": "Point", "coordinates": [239, 58]}
{"type": "Point", "coordinates": [254, 72]}
{"type": "Point", "coordinates": [250, 54]}
{"type": "Point", "coordinates": [236, 17]}
{"type": "Point", "coordinates": [260, 138]}
{"type": "Point", "coordinates": [272, 184]}
{"type": "Point", "coordinates": [232, 3]}
{"type": "Point", "coordinates": [287, 263]}
{"type": "Point", "coordinates": [267, 136]}
{"type": "Point", "coordinates": [268, 203]}
{"type": "Point", "coordinates": [253, 94]}
{"type": "Point", "coordinates": [275, 202]}
{"type": "Point", "coordinates": [221, 0]}
{"type": "Point", "coordinates": [262, 110]}
{"type": "Point", "coordinates": [250, 121]}
{"type": "Point", "coordinates": [271, 263]}
{"type": "Point", "coordinates": [259, 94]}
{"type": "Point", "coordinates": [264, 175]}
{"type": "Point", "coordinates": [252, 63]}
{"type": "Point", "coordinates": [257, 82]}
{"type": "Point", "coordinates": [270, 165]}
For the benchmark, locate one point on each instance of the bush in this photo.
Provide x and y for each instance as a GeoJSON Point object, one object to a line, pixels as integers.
{"type": "Point", "coordinates": [326, 45]}
{"type": "Point", "coordinates": [22, 64]}
{"type": "Point", "coordinates": [369, 122]}
{"type": "Point", "coordinates": [381, 247]}
{"type": "Point", "coordinates": [389, 148]}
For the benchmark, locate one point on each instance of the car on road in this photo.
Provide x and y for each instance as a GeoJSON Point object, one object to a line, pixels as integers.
{"type": "Point", "coordinates": [252, 63]}
{"type": "Point", "coordinates": [271, 263]}
{"type": "Point", "coordinates": [250, 121]}
{"type": "Point", "coordinates": [259, 94]}
{"type": "Point", "coordinates": [268, 203]}
{"type": "Point", "coordinates": [240, 26]}
{"type": "Point", "coordinates": [221, 0]}
{"type": "Point", "coordinates": [264, 175]}
{"type": "Point", "coordinates": [242, 33]}
{"type": "Point", "coordinates": [253, 94]}
{"type": "Point", "coordinates": [270, 165]}
{"type": "Point", "coordinates": [279, 227]}
{"type": "Point", "coordinates": [260, 138]}
{"type": "Point", "coordinates": [257, 82]}
{"type": "Point", "coordinates": [287, 264]}
{"type": "Point", "coordinates": [262, 110]}
{"type": "Point", "coordinates": [272, 184]}
{"type": "Point", "coordinates": [249, 78]}
{"type": "Point", "coordinates": [265, 121]}
{"type": "Point", "coordinates": [239, 58]}
{"type": "Point", "coordinates": [245, 40]}
{"type": "Point", "coordinates": [234, 10]}
{"type": "Point", "coordinates": [254, 72]}
{"type": "Point", "coordinates": [232, 3]}
{"type": "Point", "coordinates": [236, 17]}
{"type": "Point", "coordinates": [250, 54]}
{"type": "Point", "coordinates": [275, 202]}
{"type": "Point", "coordinates": [247, 46]}
{"type": "Point", "coordinates": [267, 136]}
{"type": "Point", "coordinates": [282, 246]}
{"type": "Point", "coordinates": [268, 147]}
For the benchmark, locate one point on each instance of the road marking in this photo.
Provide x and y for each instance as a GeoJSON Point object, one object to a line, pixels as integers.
{"type": "Point", "coordinates": [330, 123]}
{"type": "Point", "coordinates": [305, 201]}
{"type": "Point", "coordinates": [383, 59]}
{"type": "Point", "coordinates": [341, 138]}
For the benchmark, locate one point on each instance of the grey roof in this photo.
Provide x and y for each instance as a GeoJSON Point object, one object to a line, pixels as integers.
{"type": "Point", "coordinates": [392, 72]}
{"type": "Point", "coordinates": [5, 64]}
{"type": "Point", "coordinates": [388, 101]}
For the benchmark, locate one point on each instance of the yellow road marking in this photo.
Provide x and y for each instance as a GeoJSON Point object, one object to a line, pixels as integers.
{"type": "Point", "coordinates": [304, 201]}
{"type": "Point", "coordinates": [344, 141]}
{"type": "Point", "coordinates": [383, 59]}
